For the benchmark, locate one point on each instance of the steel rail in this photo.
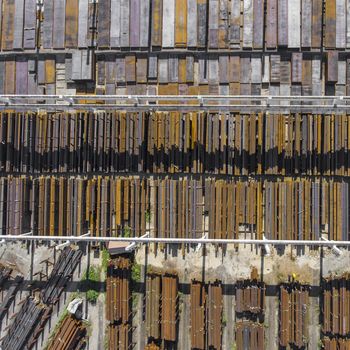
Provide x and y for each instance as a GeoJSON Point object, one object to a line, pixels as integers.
{"type": "Point", "coordinates": [259, 242]}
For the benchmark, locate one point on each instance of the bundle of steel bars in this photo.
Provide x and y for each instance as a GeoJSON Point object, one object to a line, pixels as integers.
{"type": "Point", "coordinates": [26, 327]}
{"type": "Point", "coordinates": [118, 303]}
{"type": "Point", "coordinates": [10, 296]}
{"type": "Point", "coordinates": [250, 298]}
{"type": "Point", "coordinates": [153, 305]}
{"type": "Point", "coordinates": [307, 208]}
{"type": "Point", "coordinates": [336, 344]}
{"type": "Point", "coordinates": [70, 335]}
{"type": "Point", "coordinates": [250, 335]}
{"type": "Point", "coordinates": [60, 275]}
{"type": "Point", "coordinates": [175, 142]}
{"type": "Point", "coordinates": [206, 315]}
{"type": "Point", "coordinates": [294, 305]}
{"type": "Point", "coordinates": [336, 306]}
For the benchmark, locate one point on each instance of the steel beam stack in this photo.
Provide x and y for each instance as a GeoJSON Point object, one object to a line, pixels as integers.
{"type": "Point", "coordinates": [153, 305]}
{"type": "Point", "coordinates": [294, 304]}
{"type": "Point", "coordinates": [118, 303]}
{"type": "Point", "coordinates": [336, 311]}
{"type": "Point", "coordinates": [250, 298]}
{"type": "Point", "coordinates": [70, 335]}
{"type": "Point", "coordinates": [250, 335]}
{"type": "Point", "coordinates": [206, 315]}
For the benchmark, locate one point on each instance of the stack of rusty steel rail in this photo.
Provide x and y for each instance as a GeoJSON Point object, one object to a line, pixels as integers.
{"type": "Point", "coordinates": [152, 346]}
{"type": "Point", "coordinates": [10, 295]}
{"type": "Point", "coordinates": [118, 299]}
{"type": "Point", "coordinates": [27, 326]}
{"type": "Point", "coordinates": [179, 207]}
{"type": "Point", "coordinates": [250, 335]}
{"type": "Point", "coordinates": [153, 305]}
{"type": "Point", "coordinates": [176, 142]}
{"type": "Point", "coordinates": [206, 315]}
{"type": "Point", "coordinates": [294, 305]}
{"type": "Point", "coordinates": [169, 307]}
{"type": "Point", "coordinates": [37, 313]}
{"type": "Point", "coordinates": [61, 273]}
{"type": "Point", "coordinates": [336, 311]}
{"type": "Point", "coordinates": [250, 299]}
{"type": "Point", "coordinates": [161, 307]}
{"type": "Point", "coordinates": [336, 344]}
{"type": "Point", "coordinates": [70, 335]}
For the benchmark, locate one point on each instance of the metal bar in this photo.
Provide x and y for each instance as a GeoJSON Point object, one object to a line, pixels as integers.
{"type": "Point", "coordinates": [259, 242]}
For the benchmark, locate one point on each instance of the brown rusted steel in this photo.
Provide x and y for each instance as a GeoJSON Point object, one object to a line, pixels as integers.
{"type": "Point", "coordinates": [169, 307]}
{"type": "Point", "coordinates": [153, 305]}
{"type": "Point", "coordinates": [69, 335]}
{"type": "Point", "coordinates": [118, 290]}
{"type": "Point", "coordinates": [214, 308]}
{"type": "Point", "coordinates": [294, 304]}
{"type": "Point", "coordinates": [198, 298]}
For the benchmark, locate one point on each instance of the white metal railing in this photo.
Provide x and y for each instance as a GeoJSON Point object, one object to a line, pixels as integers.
{"type": "Point", "coordinates": [179, 102]}
{"type": "Point", "coordinates": [257, 242]}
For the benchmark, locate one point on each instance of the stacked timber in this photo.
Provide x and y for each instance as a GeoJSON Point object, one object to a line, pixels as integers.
{"type": "Point", "coordinates": [118, 299]}
{"type": "Point", "coordinates": [250, 335]}
{"type": "Point", "coordinates": [294, 304]}
{"type": "Point", "coordinates": [206, 315]}
{"type": "Point", "coordinates": [70, 335]}
{"type": "Point", "coordinates": [336, 344]}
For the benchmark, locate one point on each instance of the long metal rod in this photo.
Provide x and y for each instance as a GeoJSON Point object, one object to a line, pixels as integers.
{"type": "Point", "coordinates": [260, 242]}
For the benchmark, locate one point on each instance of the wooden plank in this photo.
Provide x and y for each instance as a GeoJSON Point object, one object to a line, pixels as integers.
{"type": "Point", "coordinates": [173, 68]}
{"type": "Point", "coordinates": [275, 68]}
{"type": "Point", "coordinates": [223, 69]}
{"type": "Point", "coordinates": [258, 24]}
{"type": "Point", "coordinates": [50, 71]}
{"type": "Point", "coordinates": [29, 35]}
{"type": "Point", "coordinates": [306, 23]}
{"type": "Point", "coordinates": [316, 27]}
{"type": "Point", "coordinates": [135, 23]}
{"type": "Point", "coordinates": [157, 23]}
{"type": "Point", "coordinates": [83, 23]}
{"type": "Point", "coordinates": [130, 68]}
{"type": "Point", "coordinates": [168, 27]}
{"type": "Point", "coordinates": [297, 58]}
{"type": "Point", "coordinates": [191, 23]}
{"type": "Point", "coordinates": [144, 22]}
{"type": "Point", "coordinates": [141, 70]}
{"type": "Point", "coordinates": [181, 23]}
{"type": "Point", "coordinates": [7, 24]}
{"type": "Point", "coordinates": [18, 25]}
{"type": "Point", "coordinates": [340, 37]}
{"type": "Point", "coordinates": [120, 70]}
{"type": "Point", "coordinates": [330, 24]}
{"type": "Point", "coordinates": [21, 77]}
{"type": "Point", "coordinates": [223, 24]}
{"type": "Point", "coordinates": [294, 23]}
{"type": "Point", "coordinates": [72, 14]}
{"type": "Point", "coordinates": [347, 23]}
{"type": "Point", "coordinates": [202, 23]}
{"type": "Point", "coordinates": [87, 64]}
{"type": "Point", "coordinates": [10, 77]}
{"type": "Point", "coordinates": [47, 25]}
{"type": "Point", "coordinates": [256, 70]}
{"type": "Point", "coordinates": [152, 66]}
{"type": "Point", "coordinates": [332, 67]}
{"type": "Point", "coordinates": [271, 27]}
{"type": "Point", "coordinates": [124, 23]}
{"type": "Point", "coordinates": [213, 26]}
{"type": "Point", "coordinates": [58, 24]}
{"type": "Point", "coordinates": [103, 27]}
{"type": "Point", "coordinates": [247, 23]}
{"type": "Point", "coordinates": [76, 65]}
{"type": "Point", "coordinates": [282, 23]}
{"type": "Point", "coordinates": [235, 22]}
{"type": "Point", "coordinates": [115, 30]}
{"type": "Point", "coordinates": [163, 70]}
